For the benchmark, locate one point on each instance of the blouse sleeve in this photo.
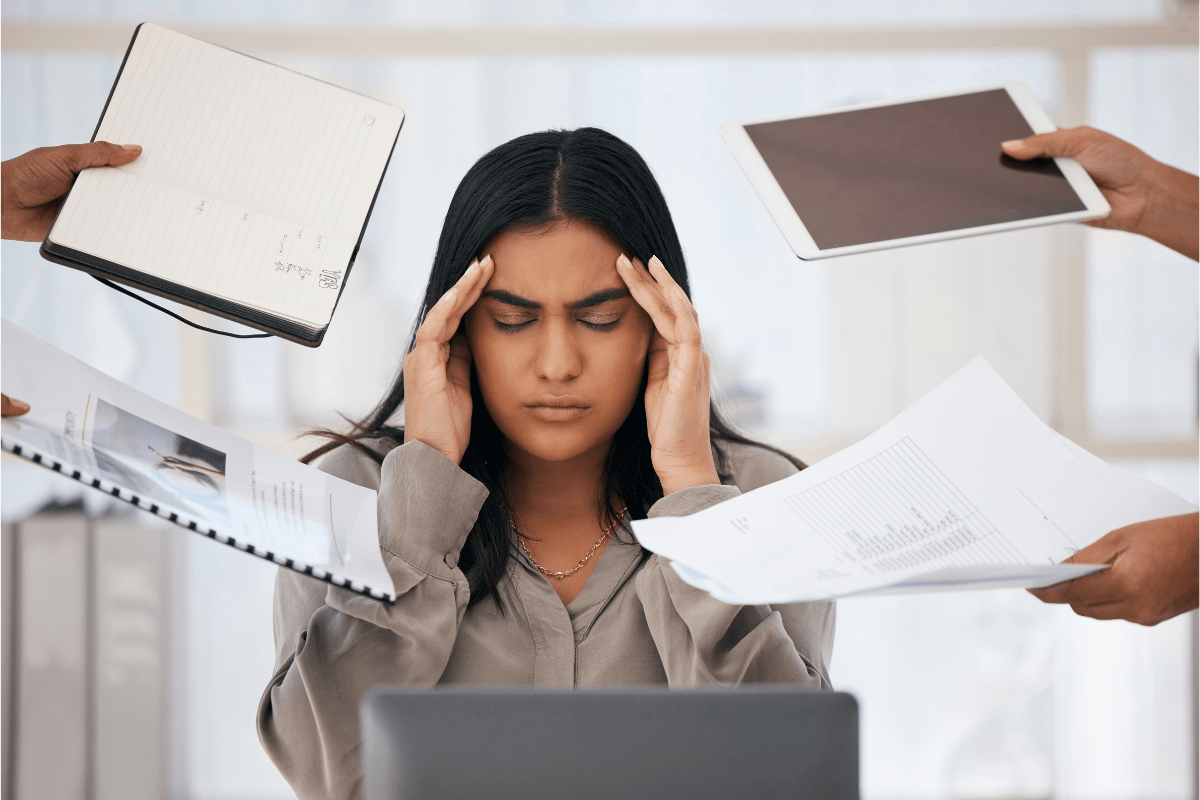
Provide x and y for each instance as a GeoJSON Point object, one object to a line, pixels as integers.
{"type": "Point", "coordinates": [334, 647]}
{"type": "Point", "coordinates": [702, 640]}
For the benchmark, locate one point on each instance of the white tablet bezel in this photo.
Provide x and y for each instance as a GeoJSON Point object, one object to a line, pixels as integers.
{"type": "Point", "coordinates": [801, 241]}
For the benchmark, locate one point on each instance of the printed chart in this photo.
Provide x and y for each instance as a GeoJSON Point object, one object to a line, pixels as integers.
{"type": "Point", "coordinates": [896, 511]}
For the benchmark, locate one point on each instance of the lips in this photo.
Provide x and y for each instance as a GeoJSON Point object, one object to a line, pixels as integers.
{"type": "Point", "coordinates": [558, 408]}
{"type": "Point", "coordinates": [558, 401]}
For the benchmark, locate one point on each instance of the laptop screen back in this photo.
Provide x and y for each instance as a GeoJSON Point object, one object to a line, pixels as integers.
{"type": "Point", "coordinates": [636, 743]}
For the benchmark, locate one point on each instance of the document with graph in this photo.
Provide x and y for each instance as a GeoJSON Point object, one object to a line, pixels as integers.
{"type": "Point", "coordinates": [100, 432]}
{"type": "Point", "coordinates": [966, 489]}
{"type": "Point", "coordinates": [252, 191]}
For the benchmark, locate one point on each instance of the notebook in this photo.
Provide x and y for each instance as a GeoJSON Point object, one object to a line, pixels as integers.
{"type": "Point", "coordinates": [90, 427]}
{"type": "Point", "coordinates": [252, 192]}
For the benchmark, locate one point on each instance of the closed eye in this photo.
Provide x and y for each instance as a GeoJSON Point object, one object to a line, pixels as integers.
{"type": "Point", "coordinates": [600, 322]}
{"type": "Point", "coordinates": [596, 322]}
{"type": "Point", "coordinates": [512, 324]}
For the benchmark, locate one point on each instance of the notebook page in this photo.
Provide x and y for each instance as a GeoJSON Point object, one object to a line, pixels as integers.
{"type": "Point", "coordinates": [253, 182]}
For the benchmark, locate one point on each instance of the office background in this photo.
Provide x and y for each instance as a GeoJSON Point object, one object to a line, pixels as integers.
{"type": "Point", "coordinates": [967, 695]}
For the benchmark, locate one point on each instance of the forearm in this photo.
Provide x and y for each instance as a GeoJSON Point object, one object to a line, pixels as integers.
{"type": "Point", "coordinates": [702, 640]}
{"type": "Point", "coordinates": [427, 507]}
{"type": "Point", "coordinates": [308, 716]}
{"type": "Point", "coordinates": [1172, 215]}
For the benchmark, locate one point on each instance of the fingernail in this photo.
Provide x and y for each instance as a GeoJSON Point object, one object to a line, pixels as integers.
{"type": "Point", "coordinates": [486, 260]}
{"type": "Point", "coordinates": [623, 260]}
{"type": "Point", "coordinates": [1011, 143]}
{"type": "Point", "coordinates": [656, 260]}
{"type": "Point", "coordinates": [137, 148]}
{"type": "Point", "coordinates": [19, 405]}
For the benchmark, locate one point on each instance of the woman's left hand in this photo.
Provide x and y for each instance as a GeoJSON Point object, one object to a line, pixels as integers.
{"type": "Point", "coordinates": [677, 391]}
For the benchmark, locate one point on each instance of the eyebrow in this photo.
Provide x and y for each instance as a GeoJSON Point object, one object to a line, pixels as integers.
{"type": "Point", "coordinates": [603, 296]}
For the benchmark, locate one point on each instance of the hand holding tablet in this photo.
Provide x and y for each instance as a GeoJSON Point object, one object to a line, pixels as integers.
{"type": "Point", "coordinates": [886, 175]}
{"type": "Point", "coordinates": [1147, 197]}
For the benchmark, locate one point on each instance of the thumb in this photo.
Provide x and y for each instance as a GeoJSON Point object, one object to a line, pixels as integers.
{"type": "Point", "coordinates": [1066, 143]}
{"type": "Point", "coordinates": [77, 157]}
{"type": "Point", "coordinates": [458, 366]}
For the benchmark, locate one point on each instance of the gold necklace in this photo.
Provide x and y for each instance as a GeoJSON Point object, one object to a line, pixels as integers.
{"type": "Point", "coordinates": [558, 576]}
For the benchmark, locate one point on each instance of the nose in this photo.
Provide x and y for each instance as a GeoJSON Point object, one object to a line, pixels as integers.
{"type": "Point", "coordinates": [558, 357]}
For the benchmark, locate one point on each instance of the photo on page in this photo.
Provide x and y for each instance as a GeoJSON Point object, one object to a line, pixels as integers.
{"type": "Point", "coordinates": [181, 465]}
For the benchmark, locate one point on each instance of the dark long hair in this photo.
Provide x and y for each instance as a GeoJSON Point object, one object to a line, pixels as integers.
{"type": "Point", "coordinates": [585, 174]}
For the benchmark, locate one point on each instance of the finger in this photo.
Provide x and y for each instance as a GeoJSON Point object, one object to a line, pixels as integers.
{"type": "Point", "coordinates": [1114, 610]}
{"type": "Point", "coordinates": [434, 330]}
{"type": "Point", "coordinates": [12, 408]}
{"type": "Point", "coordinates": [688, 366]}
{"type": "Point", "coordinates": [443, 318]}
{"type": "Point", "coordinates": [458, 368]}
{"type": "Point", "coordinates": [1058, 593]}
{"type": "Point", "coordinates": [687, 321]}
{"type": "Point", "coordinates": [1100, 551]}
{"type": "Point", "coordinates": [78, 157]}
{"type": "Point", "coordinates": [1067, 142]}
{"type": "Point", "coordinates": [1099, 587]}
{"type": "Point", "coordinates": [467, 292]}
{"type": "Point", "coordinates": [648, 295]}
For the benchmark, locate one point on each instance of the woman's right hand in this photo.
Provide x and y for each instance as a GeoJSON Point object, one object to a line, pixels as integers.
{"type": "Point", "coordinates": [437, 373]}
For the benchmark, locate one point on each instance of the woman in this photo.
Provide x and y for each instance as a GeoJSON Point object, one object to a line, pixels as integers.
{"type": "Point", "coordinates": [554, 389]}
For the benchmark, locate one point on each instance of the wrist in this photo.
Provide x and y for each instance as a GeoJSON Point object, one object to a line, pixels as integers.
{"type": "Point", "coordinates": [1172, 210]}
{"type": "Point", "coordinates": [677, 481]}
{"type": "Point", "coordinates": [432, 442]}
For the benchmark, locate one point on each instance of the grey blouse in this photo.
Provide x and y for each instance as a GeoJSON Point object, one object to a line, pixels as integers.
{"type": "Point", "coordinates": [635, 622]}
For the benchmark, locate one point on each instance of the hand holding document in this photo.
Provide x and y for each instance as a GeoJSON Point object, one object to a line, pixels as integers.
{"type": "Point", "coordinates": [966, 489]}
{"type": "Point", "coordinates": [100, 432]}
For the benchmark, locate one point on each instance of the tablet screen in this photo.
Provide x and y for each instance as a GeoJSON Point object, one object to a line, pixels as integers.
{"type": "Point", "coordinates": [903, 170]}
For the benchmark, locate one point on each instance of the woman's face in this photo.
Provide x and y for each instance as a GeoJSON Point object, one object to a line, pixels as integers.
{"type": "Point", "coordinates": [559, 345]}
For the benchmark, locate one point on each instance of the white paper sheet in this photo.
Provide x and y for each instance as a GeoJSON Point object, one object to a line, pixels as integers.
{"type": "Point", "coordinates": [123, 442]}
{"type": "Point", "coordinates": [965, 489]}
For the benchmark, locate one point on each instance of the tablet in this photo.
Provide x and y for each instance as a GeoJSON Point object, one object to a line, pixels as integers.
{"type": "Point", "coordinates": [882, 175]}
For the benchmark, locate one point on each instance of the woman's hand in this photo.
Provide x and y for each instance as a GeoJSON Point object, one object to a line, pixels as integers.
{"type": "Point", "coordinates": [677, 398]}
{"type": "Point", "coordinates": [437, 373]}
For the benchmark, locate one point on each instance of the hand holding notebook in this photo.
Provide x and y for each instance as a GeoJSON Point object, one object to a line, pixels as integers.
{"type": "Point", "coordinates": [36, 183]}
{"type": "Point", "coordinates": [252, 193]}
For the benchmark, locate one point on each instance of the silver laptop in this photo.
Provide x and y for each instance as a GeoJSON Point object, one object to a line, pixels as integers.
{"type": "Point", "coordinates": [528, 744]}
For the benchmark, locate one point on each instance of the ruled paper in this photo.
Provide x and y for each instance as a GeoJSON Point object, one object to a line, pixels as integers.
{"type": "Point", "coordinates": [253, 183]}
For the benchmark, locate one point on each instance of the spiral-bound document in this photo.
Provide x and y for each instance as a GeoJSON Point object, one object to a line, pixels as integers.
{"type": "Point", "coordinates": [100, 432]}
{"type": "Point", "coordinates": [252, 192]}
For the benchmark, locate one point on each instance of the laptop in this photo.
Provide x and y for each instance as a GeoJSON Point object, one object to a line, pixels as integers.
{"type": "Point", "coordinates": [528, 744]}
